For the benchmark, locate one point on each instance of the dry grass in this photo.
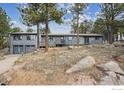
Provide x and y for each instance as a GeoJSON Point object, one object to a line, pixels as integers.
{"type": "Point", "coordinates": [49, 68]}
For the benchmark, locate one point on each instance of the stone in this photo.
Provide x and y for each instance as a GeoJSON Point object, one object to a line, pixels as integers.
{"type": "Point", "coordinates": [89, 46]}
{"type": "Point", "coordinates": [111, 74]}
{"type": "Point", "coordinates": [70, 47]}
{"type": "Point", "coordinates": [107, 80]}
{"type": "Point", "coordinates": [120, 59]}
{"type": "Point", "coordinates": [118, 44]}
{"type": "Point", "coordinates": [8, 75]}
{"type": "Point", "coordinates": [121, 81]}
{"type": "Point", "coordinates": [112, 78]}
{"type": "Point", "coordinates": [2, 79]}
{"type": "Point", "coordinates": [35, 51]}
{"type": "Point", "coordinates": [8, 78]}
{"type": "Point", "coordinates": [111, 66]}
{"type": "Point", "coordinates": [86, 63]}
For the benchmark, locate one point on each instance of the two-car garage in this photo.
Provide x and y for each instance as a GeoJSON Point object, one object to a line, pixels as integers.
{"type": "Point", "coordinates": [19, 49]}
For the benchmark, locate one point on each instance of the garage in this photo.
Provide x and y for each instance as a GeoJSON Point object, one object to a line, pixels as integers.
{"type": "Point", "coordinates": [18, 49]}
{"type": "Point", "coordinates": [29, 48]}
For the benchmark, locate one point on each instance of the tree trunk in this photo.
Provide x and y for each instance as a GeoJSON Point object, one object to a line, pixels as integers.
{"type": "Point", "coordinates": [46, 32]}
{"type": "Point", "coordinates": [38, 45]}
{"type": "Point", "coordinates": [110, 35]}
{"type": "Point", "coordinates": [107, 33]}
{"type": "Point", "coordinates": [78, 30]}
{"type": "Point", "coordinates": [120, 36]}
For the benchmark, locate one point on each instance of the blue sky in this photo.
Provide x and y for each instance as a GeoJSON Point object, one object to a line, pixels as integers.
{"type": "Point", "coordinates": [89, 14]}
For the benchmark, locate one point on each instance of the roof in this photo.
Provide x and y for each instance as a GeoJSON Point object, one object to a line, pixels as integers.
{"type": "Point", "coordinates": [30, 33]}
{"type": "Point", "coordinates": [23, 33]}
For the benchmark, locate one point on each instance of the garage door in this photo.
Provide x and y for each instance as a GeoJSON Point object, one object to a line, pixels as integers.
{"type": "Point", "coordinates": [18, 49]}
{"type": "Point", "coordinates": [29, 48]}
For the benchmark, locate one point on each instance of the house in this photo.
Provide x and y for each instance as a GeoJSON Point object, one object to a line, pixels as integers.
{"type": "Point", "coordinates": [21, 42]}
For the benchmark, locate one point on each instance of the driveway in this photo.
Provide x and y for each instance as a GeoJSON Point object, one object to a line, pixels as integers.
{"type": "Point", "coordinates": [8, 62]}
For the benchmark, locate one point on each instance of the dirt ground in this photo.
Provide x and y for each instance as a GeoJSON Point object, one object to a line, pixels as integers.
{"type": "Point", "coordinates": [8, 62]}
{"type": "Point", "coordinates": [49, 68]}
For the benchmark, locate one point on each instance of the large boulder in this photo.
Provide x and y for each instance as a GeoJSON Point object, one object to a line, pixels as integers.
{"type": "Point", "coordinates": [114, 75]}
{"type": "Point", "coordinates": [120, 58]}
{"type": "Point", "coordinates": [111, 66]}
{"type": "Point", "coordinates": [107, 80]}
{"type": "Point", "coordinates": [85, 63]}
{"type": "Point", "coordinates": [112, 78]}
{"type": "Point", "coordinates": [118, 44]}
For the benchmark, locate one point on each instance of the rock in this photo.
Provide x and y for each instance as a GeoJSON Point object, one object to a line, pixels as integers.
{"type": "Point", "coordinates": [121, 79]}
{"type": "Point", "coordinates": [35, 51]}
{"type": "Point", "coordinates": [89, 46]}
{"type": "Point", "coordinates": [111, 66]}
{"type": "Point", "coordinates": [120, 59]}
{"type": "Point", "coordinates": [8, 77]}
{"type": "Point", "coordinates": [113, 74]}
{"type": "Point", "coordinates": [118, 44]}
{"type": "Point", "coordinates": [112, 78]}
{"type": "Point", "coordinates": [2, 79]}
{"type": "Point", "coordinates": [107, 80]}
{"type": "Point", "coordinates": [85, 63]}
{"type": "Point", "coordinates": [70, 47]}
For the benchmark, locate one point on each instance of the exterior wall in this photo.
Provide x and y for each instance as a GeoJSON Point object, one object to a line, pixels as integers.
{"type": "Point", "coordinates": [23, 42]}
{"type": "Point", "coordinates": [92, 40]}
{"type": "Point", "coordinates": [31, 45]}
{"type": "Point", "coordinates": [70, 40]}
{"type": "Point", "coordinates": [81, 41]}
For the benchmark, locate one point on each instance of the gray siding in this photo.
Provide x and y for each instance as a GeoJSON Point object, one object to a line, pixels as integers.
{"type": "Point", "coordinates": [24, 42]}
{"type": "Point", "coordinates": [30, 45]}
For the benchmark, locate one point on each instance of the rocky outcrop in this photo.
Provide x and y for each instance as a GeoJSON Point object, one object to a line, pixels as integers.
{"type": "Point", "coordinates": [118, 44]}
{"type": "Point", "coordinates": [114, 75]}
{"type": "Point", "coordinates": [119, 58]}
{"type": "Point", "coordinates": [111, 66]}
{"type": "Point", "coordinates": [83, 64]}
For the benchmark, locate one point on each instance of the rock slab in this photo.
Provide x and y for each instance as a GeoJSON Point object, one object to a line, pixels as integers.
{"type": "Point", "coordinates": [83, 64]}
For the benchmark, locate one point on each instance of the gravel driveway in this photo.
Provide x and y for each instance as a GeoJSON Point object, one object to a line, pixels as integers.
{"type": "Point", "coordinates": [8, 62]}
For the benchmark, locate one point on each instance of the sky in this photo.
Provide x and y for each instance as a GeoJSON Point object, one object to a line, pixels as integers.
{"type": "Point", "coordinates": [90, 13]}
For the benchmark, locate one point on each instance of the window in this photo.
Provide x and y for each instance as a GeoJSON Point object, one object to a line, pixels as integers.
{"type": "Point", "coordinates": [30, 45]}
{"type": "Point", "coordinates": [17, 37]}
{"type": "Point", "coordinates": [50, 38]}
{"type": "Point", "coordinates": [69, 38]}
{"type": "Point", "coordinates": [30, 37]}
{"type": "Point", "coordinates": [96, 38]}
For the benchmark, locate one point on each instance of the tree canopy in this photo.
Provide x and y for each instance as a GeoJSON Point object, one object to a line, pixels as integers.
{"type": "Point", "coordinates": [77, 10]}
{"type": "Point", "coordinates": [4, 27]}
{"type": "Point", "coordinates": [108, 20]}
